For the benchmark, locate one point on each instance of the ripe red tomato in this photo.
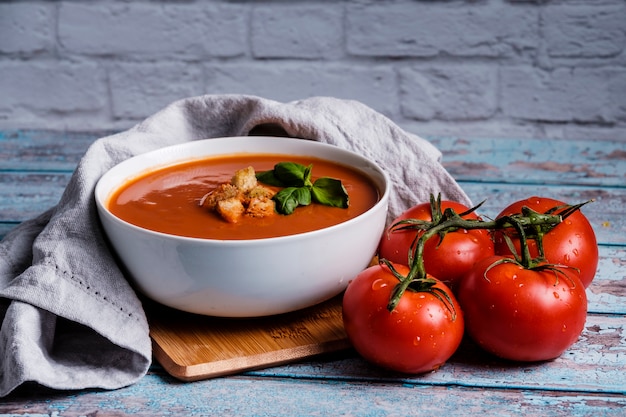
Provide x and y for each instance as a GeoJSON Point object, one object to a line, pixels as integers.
{"type": "Point", "coordinates": [522, 314]}
{"type": "Point", "coordinates": [572, 242]}
{"type": "Point", "coordinates": [418, 336]}
{"type": "Point", "coordinates": [448, 260]}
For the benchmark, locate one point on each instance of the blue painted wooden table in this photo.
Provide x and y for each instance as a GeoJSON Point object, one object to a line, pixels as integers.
{"type": "Point", "coordinates": [588, 379]}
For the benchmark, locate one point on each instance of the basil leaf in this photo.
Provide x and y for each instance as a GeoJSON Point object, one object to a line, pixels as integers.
{"type": "Point", "coordinates": [330, 192]}
{"type": "Point", "coordinates": [268, 177]}
{"type": "Point", "coordinates": [304, 196]}
{"type": "Point", "coordinates": [291, 174]}
{"type": "Point", "coordinates": [300, 191]}
{"type": "Point", "coordinates": [291, 197]}
{"type": "Point", "coordinates": [307, 176]}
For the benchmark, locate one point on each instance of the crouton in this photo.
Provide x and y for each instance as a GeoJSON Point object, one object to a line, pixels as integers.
{"type": "Point", "coordinates": [242, 196]}
{"type": "Point", "coordinates": [244, 179]}
{"type": "Point", "coordinates": [230, 209]}
{"type": "Point", "coordinates": [260, 192]}
{"type": "Point", "coordinates": [223, 191]}
{"type": "Point", "coordinates": [260, 207]}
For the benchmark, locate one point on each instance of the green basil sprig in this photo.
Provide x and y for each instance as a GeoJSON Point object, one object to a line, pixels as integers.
{"type": "Point", "coordinates": [299, 190]}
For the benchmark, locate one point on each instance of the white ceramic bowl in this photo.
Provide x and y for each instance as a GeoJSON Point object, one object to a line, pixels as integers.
{"type": "Point", "coordinates": [223, 277]}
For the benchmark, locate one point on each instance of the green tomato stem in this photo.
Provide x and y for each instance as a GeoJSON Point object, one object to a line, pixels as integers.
{"type": "Point", "coordinates": [449, 220]}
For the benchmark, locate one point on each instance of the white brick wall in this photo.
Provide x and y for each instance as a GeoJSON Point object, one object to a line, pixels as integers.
{"type": "Point", "coordinates": [514, 68]}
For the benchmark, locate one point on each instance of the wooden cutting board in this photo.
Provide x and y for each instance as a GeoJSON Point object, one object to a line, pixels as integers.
{"type": "Point", "coordinates": [191, 347]}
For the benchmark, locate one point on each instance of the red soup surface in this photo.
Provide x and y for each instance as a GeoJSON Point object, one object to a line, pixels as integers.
{"type": "Point", "coordinates": [167, 200]}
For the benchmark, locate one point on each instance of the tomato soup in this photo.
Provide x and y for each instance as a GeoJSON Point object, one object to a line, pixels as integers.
{"type": "Point", "coordinates": [167, 200]}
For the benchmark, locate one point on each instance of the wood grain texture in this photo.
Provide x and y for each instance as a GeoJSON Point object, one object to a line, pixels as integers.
{"type": "Point", "coordinates": [535, 161]}
{"type": "Point", "coordinates": [24, 195]}
{"type": "Point", "coordinates": [159, 395]}
{"type": "Point", "coordinates": [193, 347]}
{"type": "Point", "coordinates": [595, 363]}
{"type": "Point", "coordinates": [587, 380]}
{"type": "Point", "coordinates": [36, 150]}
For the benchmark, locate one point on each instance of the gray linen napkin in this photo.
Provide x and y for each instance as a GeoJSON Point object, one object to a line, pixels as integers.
{"type": "Point", "coordinates": [70, 320]}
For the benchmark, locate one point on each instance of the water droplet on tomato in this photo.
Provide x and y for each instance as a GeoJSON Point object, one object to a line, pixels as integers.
{"type": "Point", "coordinates": [417, 340]}
{"type": "Point", "coordinates": [521, 285]}
{"type": "Point", "coordinates": [514, 276]}
{"type": "Point", "coordinates": [378, 284]}
{"type": "Point", "coordinates": [556, 294]}
{"type": "Point", "coordinates": [575, 252]}
{"type": "Point", "coordinates": [564, 329]}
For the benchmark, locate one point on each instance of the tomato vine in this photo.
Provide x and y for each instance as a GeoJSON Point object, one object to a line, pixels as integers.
{"type": "Point", "coordinates": [448, 220]}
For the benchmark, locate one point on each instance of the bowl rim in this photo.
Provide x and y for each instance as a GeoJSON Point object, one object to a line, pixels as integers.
{"type": "Point", "coordinates": [101, 197]}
